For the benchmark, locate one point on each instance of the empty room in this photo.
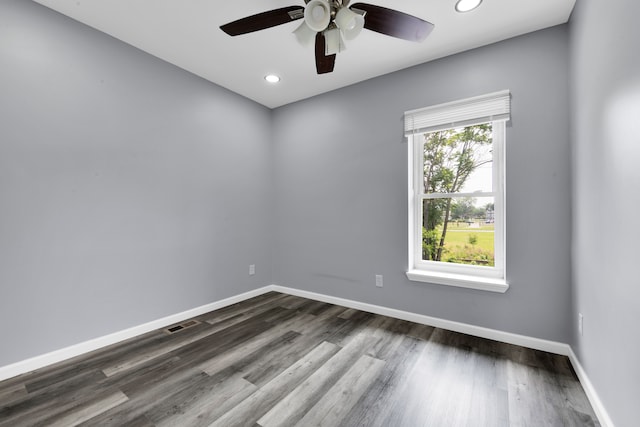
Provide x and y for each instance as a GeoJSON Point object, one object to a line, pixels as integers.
{"type": "Point", "coordinates": [319, 213]}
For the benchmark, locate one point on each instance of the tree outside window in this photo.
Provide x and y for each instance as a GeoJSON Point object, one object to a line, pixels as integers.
{"type": "Point", "coordinates": [458, 202]}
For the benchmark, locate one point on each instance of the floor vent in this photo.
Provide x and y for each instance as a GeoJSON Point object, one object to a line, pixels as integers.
{"type": "Point", "coordinates": [181, 326]}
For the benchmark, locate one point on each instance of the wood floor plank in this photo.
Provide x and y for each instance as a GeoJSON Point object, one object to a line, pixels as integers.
{"type": "Point", "coordinates": [19, 381]}
{"type": "Point", "coordinates": [88, 411]}
{"type": "Point", "coordinates": [11, 394]}
{"type": "Point", "coordinates": [416, 399]}
{"type": "Point", "coordinates": [47, 402]}
{"type": "Point", "coordinates": [293, 302]}
{"type": "Point", "coordinates": [265, 312]}
{"type": "Point", "coordinates": [323, 321]}
{"type": "Point", "coordinates": [270, 358]}
{"type": "Point", "coordinates": [534, 394]}
{"type": "Point", "coordinates": [421, 332]}
{"type": "Point", "coordinates": [259, 403]}
{"type": "Point", "coordinates": [199, 345]}
{"type": "Point", "coordinates": [355, 324]}
{"type": "Point", "coordinates": [221, 341]}
{"type": "Point", "coordinates": [262, 370]}
{"type": "Point", "coordinates": [141, 380]}
{"type": "Point", "coordinates": [488, 395]}
{"type": "Point", "coordinates": [224, 360]}
{"type": "Point", "coordinates": [90, 362]}
{"type": "Point", "coordinates": [292, 407]}
{"type": "Point", "coordinates": [203, 402]}
{"type": "Point", "coordinates": [315, 308]}
{"type": "Point", "coordinates": [375, 406]}
{"type": "Point", "coordinates": [140, 421]}
{"type": "Point", "coordinates": [180, 341]}
{"type": "Point", "coordinates": [577, 407]}
{"type": "Point", "coordinates": [339, 400]}
{"type": "Point", "coordinates": [454, 403]}
{"type": "Point", "coordinates": [181, 370]}
{"type": "Point", "coordinates": [242, 306]}
{"type": "Point", "coordinates": [346, 314]}
{"type": "Point", "coordinates": [155, 394]}
{"type": "Point", "coordinates": [388, 334]}
{"type": "Point", "coordinates": [244, 309]}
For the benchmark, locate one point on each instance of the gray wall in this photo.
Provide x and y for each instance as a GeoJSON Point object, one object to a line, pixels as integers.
{"type": "Point", "coordinates": [341, 187]}
{"type": "Point", "coordinates": [130, 189]}
{"type": "Point", "coordinates": [605, 68]}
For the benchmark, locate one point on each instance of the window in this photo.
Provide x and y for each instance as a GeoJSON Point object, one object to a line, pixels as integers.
{"type": "Point", "coordinates": [456, 192]}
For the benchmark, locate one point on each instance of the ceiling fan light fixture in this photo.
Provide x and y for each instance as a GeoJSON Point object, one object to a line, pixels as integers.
{"type": "Point", "coordinates": [304, 34]}
{"type": "Point", "coordinates": [467, 5]}
{"type": "Point", "coordinates": [317, 15]}
{"type": "Point", "coordinates": [349, 22]}
{"type": "Point", "coordinates": [333, 41]}
{"type": "Point", "coordinates": [321, 19]}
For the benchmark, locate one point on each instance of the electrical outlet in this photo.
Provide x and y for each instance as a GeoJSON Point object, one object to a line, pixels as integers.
{"type": "Point", "coordinates": [252, 269]}
{"type": "Point", "coordinates": [580, 324]}
{"type": "Point", "coordinates": [379, 280]}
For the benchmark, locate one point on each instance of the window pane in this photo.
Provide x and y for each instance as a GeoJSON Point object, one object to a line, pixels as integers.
{"type": "Point", "coordinates": [459, 230]}
{"type": "Point", "coordinates": [458, 160]}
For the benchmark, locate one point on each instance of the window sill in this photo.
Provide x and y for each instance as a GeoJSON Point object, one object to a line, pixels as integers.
{"type": "Point", "coordinates": [459, 280]}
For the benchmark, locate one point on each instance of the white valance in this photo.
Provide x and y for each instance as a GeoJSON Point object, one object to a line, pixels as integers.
{"type": "Point", "coordinates": [466, 112]}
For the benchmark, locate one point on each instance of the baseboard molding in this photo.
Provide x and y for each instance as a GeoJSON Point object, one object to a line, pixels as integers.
{"type": "Point", "coordinates": [56, 356]}
{"type": "Point", "coordinates": [465, 328]}
{"type": "Point", "coordinates": [592, 395]}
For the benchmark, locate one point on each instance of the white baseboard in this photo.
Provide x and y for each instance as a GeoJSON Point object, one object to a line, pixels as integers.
{"type": "Point", "coordinates": [592, 395]}
{"type": "Point", "coordinates": [56, 356]}
{"type": "Point", "coordinates": [478, 331]}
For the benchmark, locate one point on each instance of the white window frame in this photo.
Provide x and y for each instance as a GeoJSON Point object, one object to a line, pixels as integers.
{"type": "Point", "coordinates": [472, 111]}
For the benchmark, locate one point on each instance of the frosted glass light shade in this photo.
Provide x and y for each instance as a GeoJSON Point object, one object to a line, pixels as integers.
{"type": "Point", "coordinates": [349, 22]}
{"type": "Point", "coordinates": [304, 34]}
{"type": "Point", "coordinates": [333, 41]}
{"type": "Point", "coordinates": [317, 15]}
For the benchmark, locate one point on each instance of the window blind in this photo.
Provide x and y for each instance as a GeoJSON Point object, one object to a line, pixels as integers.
{"type": "Point", "coordinates": [466, 112]}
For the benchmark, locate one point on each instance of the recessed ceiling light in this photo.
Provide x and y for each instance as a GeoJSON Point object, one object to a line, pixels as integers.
{"type": "Point", "coordinates": [467, 5]}
{"type": "Point", "coordinates": [272, 78]}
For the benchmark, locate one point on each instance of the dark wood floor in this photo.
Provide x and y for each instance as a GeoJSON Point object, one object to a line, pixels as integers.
{"type": "Point", "coordinates": [279, 360]}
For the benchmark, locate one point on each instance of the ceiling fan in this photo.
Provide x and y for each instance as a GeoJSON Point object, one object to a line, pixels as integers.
{"type": "Point", "coordinates": [329, 21]}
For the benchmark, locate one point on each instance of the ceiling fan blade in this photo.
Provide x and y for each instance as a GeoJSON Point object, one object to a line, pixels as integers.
{"type": "Point", "coordinates": [263, 20]}
{"type": "Point", "coordinates": [394, 23]}
{"type": "Point", "coordinates": [324, 63]}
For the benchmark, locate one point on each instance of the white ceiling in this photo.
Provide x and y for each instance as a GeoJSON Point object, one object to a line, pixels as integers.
{"type": "Point", "coordinates": [187, 34]}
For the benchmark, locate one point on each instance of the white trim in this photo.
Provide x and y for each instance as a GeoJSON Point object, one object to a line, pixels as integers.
{"type": "Point", "coordinates": [426, 196]}
{"type": "Point", "coordinates": [459, 280]}
{"type": "Point", "coordinates": [499, 188]}
{"type": "Point", "coordinates": [56, 356]}
{"type": "Point", "coordinates": [452, 274]}
{"type": "Point", "coordinates": [465, 328]}
{"type": "Point", "coordinates": [589, 389]}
